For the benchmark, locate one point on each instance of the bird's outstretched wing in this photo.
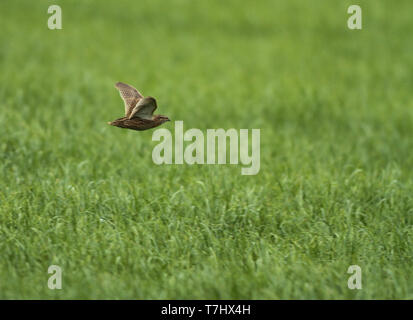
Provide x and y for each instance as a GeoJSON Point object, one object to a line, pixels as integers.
{"type": "Point", "coordinates": [144, 108]}
{"type": "Point", "coordinates": [130, 96]}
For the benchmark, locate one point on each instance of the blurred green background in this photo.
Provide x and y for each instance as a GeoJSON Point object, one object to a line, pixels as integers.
{"type": "Point", "coordinates": [335, 111]}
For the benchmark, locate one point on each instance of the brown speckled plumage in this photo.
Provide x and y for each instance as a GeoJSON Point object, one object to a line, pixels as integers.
{"type": "Point", "coordinates": [138, 110]}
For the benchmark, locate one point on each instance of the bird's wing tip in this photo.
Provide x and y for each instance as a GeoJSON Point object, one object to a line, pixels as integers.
{"type": "Point", "coordinates": [120, 84]}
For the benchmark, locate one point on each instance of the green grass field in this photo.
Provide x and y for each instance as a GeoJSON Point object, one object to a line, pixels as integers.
{"type": "Point", "coordinates": [335, 188]}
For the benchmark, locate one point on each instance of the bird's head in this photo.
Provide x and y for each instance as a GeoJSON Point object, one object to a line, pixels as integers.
{"type": "Point", "coordinates": [113, 123]}
{"type": "Point", "coordinates": [160, 118]}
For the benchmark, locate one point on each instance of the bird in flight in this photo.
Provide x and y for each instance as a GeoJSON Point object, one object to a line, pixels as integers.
{"type": "Point", "coordinates": [138, 110]}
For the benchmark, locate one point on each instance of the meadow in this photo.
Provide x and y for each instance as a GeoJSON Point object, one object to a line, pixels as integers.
{"type": "Point", "coordinates": [335, 186]}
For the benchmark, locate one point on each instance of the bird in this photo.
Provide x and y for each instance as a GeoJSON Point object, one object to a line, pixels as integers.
{"type": "Point", "coordinates": [138, 110]}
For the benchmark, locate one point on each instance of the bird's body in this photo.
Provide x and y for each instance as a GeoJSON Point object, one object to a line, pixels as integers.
{"type": "Point", "coordinates": [135, 123]}
{"type": "Point", "coordinates": [138, 110]}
